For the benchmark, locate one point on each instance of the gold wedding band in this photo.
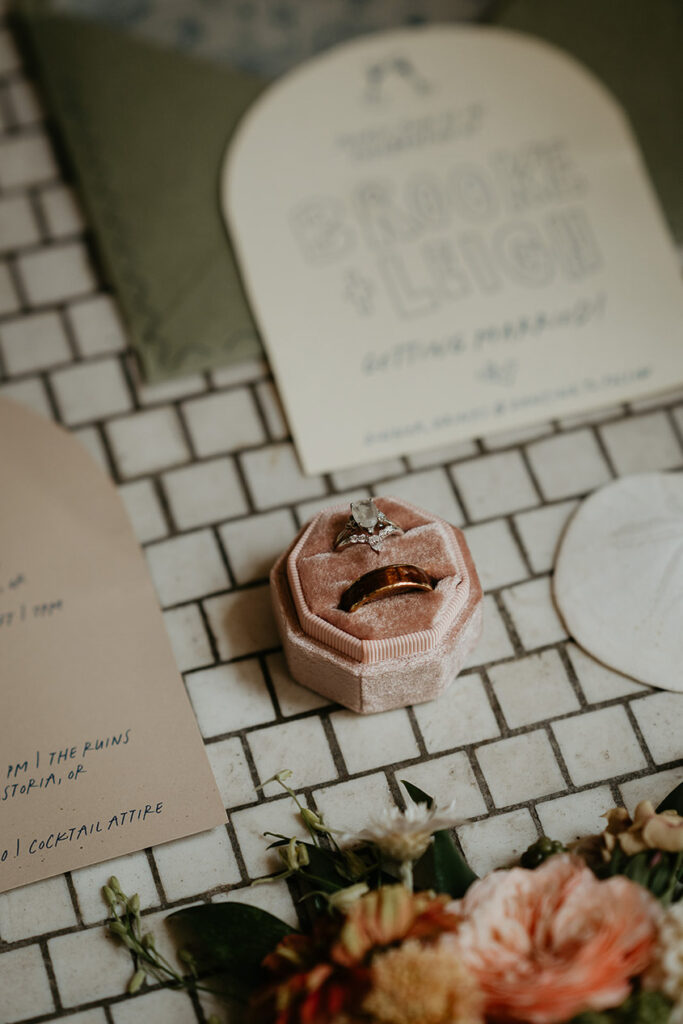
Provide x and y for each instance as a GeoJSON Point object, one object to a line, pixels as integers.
{"type": "Point", "coordinates": [384, 582]}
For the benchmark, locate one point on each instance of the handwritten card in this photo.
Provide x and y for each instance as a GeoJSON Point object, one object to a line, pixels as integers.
{"type": "Point", "coordinates": [100, 754]}
{"type": "Point", "coordinates": [444, 232]}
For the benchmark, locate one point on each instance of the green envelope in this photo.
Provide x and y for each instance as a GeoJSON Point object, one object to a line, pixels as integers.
{"type": "Point", "coordinates": [145, 131]}
{"type": "Point", "coordinates": [635, 48]}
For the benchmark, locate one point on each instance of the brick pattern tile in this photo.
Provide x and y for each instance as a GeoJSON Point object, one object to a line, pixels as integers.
{"type": "Point", "coordinates": [534, 734]}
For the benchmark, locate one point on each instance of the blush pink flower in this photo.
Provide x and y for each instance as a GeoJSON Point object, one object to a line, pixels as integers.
{"type": "Point", "coordinates": [547, 944]}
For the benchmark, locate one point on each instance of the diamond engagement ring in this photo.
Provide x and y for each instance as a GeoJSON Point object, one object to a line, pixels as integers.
{"type": "Point", "coordinates": [365, 525]}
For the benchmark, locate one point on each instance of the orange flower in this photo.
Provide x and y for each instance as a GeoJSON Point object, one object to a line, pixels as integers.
{"type": "Point", "coordinates": [386, 916]}
{"type": "Point", "coordinates": [547, 944]}
{"type": "Point", "coordinates": [324, 977]}
{"type": "Point", "coordinates": [418, 984]}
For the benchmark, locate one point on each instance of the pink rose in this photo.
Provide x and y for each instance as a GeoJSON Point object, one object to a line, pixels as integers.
{"type": "Point", "coordinates": [550, 943]}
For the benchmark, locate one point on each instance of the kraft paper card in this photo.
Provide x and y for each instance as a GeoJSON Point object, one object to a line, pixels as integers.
{"type": "Point", "coordinates": [144, 130]}
{"type": "Point", "coordinates": [101, 754]}
{"type": "Point", "coordinates": [444, 232]}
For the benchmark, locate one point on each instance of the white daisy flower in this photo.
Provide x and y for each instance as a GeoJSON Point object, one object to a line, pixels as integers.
{"type": "Point", "coordinates": [403, 836]}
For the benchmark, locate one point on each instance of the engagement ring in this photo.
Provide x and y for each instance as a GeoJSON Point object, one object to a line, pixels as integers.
{"type": "Point", "coordinates": [365, 525]}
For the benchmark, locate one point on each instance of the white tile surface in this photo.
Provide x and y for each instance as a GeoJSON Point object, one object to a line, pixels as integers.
{"type": "Point", "coordinates": [24, 101]}
{"type": "Point", "coordinates": [242, 622]}
{"type": "Point", "coordinates": [91, 440]}
{"type": "Point", "coordinates": [35, 909]}
{"type": "Point", "coordinates": [223, 422]}
{"type": "Point", "coordinates": [189, 639]}
{"type": "Point", "coordinates": [373, 740]}
{"type": "Point", "coordinates": [496, 555]}
{"type": "Point", "coordinates": [533, 689]}
{"type": "Point", "coordinates": [196, 864]}
{"type": "Point", "coordinates": [498, 841]}
{"type": "Point", "coordinates": [91, 391]}
{"type": "Point", "coordinates": [347, 479]}
{"type": "Point", "coordinates": [163, 1007]}
{"type": "Point", "coordinates": [459, 716]}
{"type": "Point", "coordinates": [540, 531]}
{"type": "Point", "coordinates": [292, 698]}
{"type": "Point", "coordinates": [226, 698]}
{"type": "Point", "coordinates": [448, 779]}
{"type": "Point", "coordinates": [305, 510]}
{"type": "Point", "coordinates": [642, 444]}
{"type": "Point", "coordinates": [253, 545]}
{"type": "Point", "coordinates": [56, 273]}
{"type": "Point", "coordinates": [167, 390]}
{"type": "Point", "coordinates": [651, 787]}
{"type": "Point", "coordinates": [571, 817]}
{"type": "Point", "coordinates": [533, 612]}
{"type": "Point", "coordinates": [61, 211]}
{"type": "Point", "coordinates": [204, 493]}
{"type": "Point", "coordinates": [144, 510]}
{"type": "Point", "coordinates": [184, 568]}
{"type": "Point", "coordinates": [231, 772]}
{"type": "Point", "coordinates": [494, 485]}
{"type": "Point", "coordinates": [269, 400]}
{"type": "Point", "coordinates": [660, 718]}
{"type": "Point", "coordinates": [274, 477]}
{"type": "Point", "coordinates": [88, 966]}
{"type": "Point", "coordinates": [24, 984]}
{"type": "Point", "coordinates": [568, 464]}
{"type": "Point", "coordinates": [244, 372]}
{"type": "Point", "coordinates": [349, 806]}
{"type": "Point", "coordinates": [599, 745]}
{"type": "Point", "coordinates": [29, 392]}
{"type": "Point", "coordinates": [278, 816]}
{"type": "Point", "coordinates": [508, 438]}
{"type": "Point", "coordinates": [34, 342]}
{"type": "Point", "coordinates": [597, 681]}
{"type": "Point", "coordinates": [18, 227]}
{"type": "Point", "coordinates": [96, 325]}
{"type": "Point", "coordinates": [134, 874]}
{"type": "Point", "coordinates": [441, 455]}
{"type": "Point", "coordinates": [26, 159]}
{"type": "Point", "coordinates": [300, 746]}
{"type": "Point", "coordinates": [147, 442]}
{"type": "Point", "coordinates": [495, 641]}
{"type": "Point", "coordinates": [520, 768]}
{"type": "Point", "coordinates": [428, 489]}
{"type": "Point", "coordinates": [9, 300]}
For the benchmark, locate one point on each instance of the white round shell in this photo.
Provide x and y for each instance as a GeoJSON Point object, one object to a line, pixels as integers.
{"type": "Point", "coordinates": [619, 577]}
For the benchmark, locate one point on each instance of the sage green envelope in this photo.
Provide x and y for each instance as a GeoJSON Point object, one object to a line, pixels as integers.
{"type": "Point", "coordinates": [145, 131]}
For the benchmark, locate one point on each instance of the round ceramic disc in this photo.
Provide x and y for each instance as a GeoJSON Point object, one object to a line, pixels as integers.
{"type": "Point", "coordinates": [619, 577]}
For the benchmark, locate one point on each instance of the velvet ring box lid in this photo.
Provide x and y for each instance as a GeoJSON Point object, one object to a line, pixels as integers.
{"type": "Point", "coordinates": [400, 650]}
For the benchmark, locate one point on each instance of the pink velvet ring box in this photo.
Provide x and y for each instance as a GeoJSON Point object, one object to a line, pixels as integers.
{"type": "Point", "coordinates": [396, 651]}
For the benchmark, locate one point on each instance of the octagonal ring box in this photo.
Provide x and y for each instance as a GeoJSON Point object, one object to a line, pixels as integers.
{"type": "Point", "coordinates": [400, 650]}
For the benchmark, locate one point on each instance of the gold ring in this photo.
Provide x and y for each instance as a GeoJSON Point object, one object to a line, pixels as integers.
{"type": "Point", "coordinates": [384, 582]}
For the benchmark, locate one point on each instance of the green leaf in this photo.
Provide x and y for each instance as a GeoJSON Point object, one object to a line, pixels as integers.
{"type": "Point", "coordinates": [640, 1008]}
{"type": "Point", "coordinates": [443, 869]}
{"type": "Point", "coordinates": [673, 802]}
{"type": "Point", "coordinates": [327, 867]}
{"type": "Point", "coordinates": [228, 938]}
{"type": "Point", "coordinates": [417, 795]}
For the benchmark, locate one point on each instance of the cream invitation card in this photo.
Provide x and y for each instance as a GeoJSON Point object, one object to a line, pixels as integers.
{"type": "Point", "coordinates": [444, 232]}
{"type": "Point", "coordinates": [100, 753]}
